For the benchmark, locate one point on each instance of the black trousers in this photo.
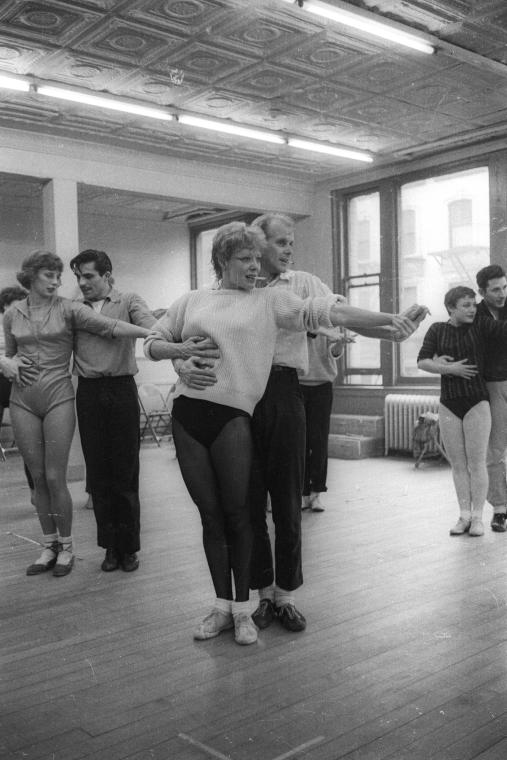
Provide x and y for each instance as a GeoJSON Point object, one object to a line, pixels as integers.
{"type": "Point", "coordinates": [278, 427]}
{"type": "Point", "coordinates": [108, 417]}
{"type": "Point", "coordinates": [318, 400]}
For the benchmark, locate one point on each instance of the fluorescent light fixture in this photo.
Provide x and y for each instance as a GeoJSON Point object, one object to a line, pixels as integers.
{"type": "Point", "coordinates": [110, 103]}
{"type": "Point", "coordinates": [364, 22]}
{"type": "Point", "coordinates": [355, 155]}
{"type": "Point", "coordinates": [230, 129]}
{"type": "Point", "coordinates": [11, 83]}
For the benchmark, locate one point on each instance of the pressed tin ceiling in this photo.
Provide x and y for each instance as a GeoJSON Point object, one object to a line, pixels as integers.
{"type": "Point", "coordinates": [261, 64]}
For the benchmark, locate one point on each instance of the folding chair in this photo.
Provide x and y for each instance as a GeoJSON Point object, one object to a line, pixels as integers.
{"type": "Point", "coordinates": [155, 414]}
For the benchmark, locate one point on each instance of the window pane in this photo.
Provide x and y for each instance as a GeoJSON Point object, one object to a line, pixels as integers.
{"type": "Point", "coordinates": [444, 241]}
{"type": "Point", "coordinates": [364, 234]}
{"type": "Point", "coordinates": [364, 353]}
{"type": "Point", "coordinates": [204, 270]}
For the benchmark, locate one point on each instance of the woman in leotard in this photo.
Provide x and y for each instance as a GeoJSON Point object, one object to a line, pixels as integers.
{"type": "Point", "coordinates": [456, 350]}
{"type": "Point", "coordinates": [211, 427]}
{"type": "Point", "coordinates": [40, 330]}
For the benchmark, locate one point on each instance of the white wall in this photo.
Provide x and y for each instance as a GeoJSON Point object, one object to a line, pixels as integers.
{"type": "Point", "coordinates": [313, 240]}
{"type": "Point", "coordinates": [150, 258]}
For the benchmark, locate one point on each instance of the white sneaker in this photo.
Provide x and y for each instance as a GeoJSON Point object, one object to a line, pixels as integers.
{"type": "Point", "coordinates": [476, 527]}
{"type": "Point", "coordinates": [213, 624]}
{"type": "Point", "coordinates": [245, 630]}
{"type": "Point", "coordinates": [462, 526]}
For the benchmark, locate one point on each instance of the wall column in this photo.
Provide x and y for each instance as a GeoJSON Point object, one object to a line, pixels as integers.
{"type": "Point", "coordinates": [59, 199]}
{"type": "Point", "coordinates": [60, 218]}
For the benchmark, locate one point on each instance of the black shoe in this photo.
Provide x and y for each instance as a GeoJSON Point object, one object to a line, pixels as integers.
{"type": "Point", "coordinates": [111, 561]}
{"type": "Point", "coordinates": [60, 570]}
{"type": "Point", "coordinates": [129, 562]}
{"type": "Point", "coordinates": [291, 618]}
{"type": "Point", "coordinates": [498, 522]}
{"type": "Point", "coordinates": [264, 614]}
{"type": "Point", "coordinates": [48, 558]}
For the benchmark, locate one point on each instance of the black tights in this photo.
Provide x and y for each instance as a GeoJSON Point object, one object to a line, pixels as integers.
{"type": "Point", "coordinates": [217, 479]}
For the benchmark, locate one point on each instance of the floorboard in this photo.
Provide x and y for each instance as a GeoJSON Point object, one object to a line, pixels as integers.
{"type": "Point", "coordinates": [404, 658]}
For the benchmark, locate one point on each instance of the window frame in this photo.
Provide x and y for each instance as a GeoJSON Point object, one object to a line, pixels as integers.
{"type": "Point", "coordinates": [389, 190]}
{"type": "Point", "coordinates": [197, 226]}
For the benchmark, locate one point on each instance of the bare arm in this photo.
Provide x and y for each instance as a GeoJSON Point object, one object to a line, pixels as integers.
{"type": "Point", "coordinates": [413, 317]}
{"type": "Point", "coordinates": [128, 330]}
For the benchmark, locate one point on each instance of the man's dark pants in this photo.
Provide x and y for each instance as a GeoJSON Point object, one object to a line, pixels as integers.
{"type": "Point", "coordinates": [108, 416]}
{"type": "Point", "coordinates": [278, 427]}
{"type": "Point", "coordinates": [318, 400]}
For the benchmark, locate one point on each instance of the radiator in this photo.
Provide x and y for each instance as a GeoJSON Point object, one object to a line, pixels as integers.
{"type": "Point", "coordinates": [400, 416]}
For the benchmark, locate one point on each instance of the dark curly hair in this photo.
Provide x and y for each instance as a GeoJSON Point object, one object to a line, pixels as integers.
{"type": "Point", "coordinates": [10, 294]}
{"type": "Point", "coordinates": [229, 239]}
{"type": "Point", "coordinates": [35, 262]}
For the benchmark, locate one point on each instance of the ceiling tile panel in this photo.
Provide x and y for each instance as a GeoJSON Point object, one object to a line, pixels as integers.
{"type": "Point", "coordinates": [127, 42]}
{"type": "Point", "coordinates": [19, 57]}
{"type": "Point", "coordinates": [265, 81]}
{"type": "Point", "coordinates": [260, 34]}
{"type": "Point", "coordinates": [219, 104]}
{"type": "Point", "coordinates": [321, 56]}
{"type": "Point", "coordinates": [187, 16]}
{"type": "Point", "coordinates": [74, 69]}
{"type": "Point", "coordinates": [204, 63]}
{"type": "Point", "coordinates": [51, 23]}
{"type": "Point", "coordinates": [158, 89]}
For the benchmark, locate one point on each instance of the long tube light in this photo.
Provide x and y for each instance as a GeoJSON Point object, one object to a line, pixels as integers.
{"type": "Point", "coordinates": [360, 21]}
{"type": "Point", "coordinates": [11, 83]}
{"type": "Point", "coordinates": [226, 127]}
{"type": "Point", "coordinates": [356, 155]}
{"type": "Point", "coordinates": [96, 100]}
{"type": "Point", "coordinates": [230, 129]}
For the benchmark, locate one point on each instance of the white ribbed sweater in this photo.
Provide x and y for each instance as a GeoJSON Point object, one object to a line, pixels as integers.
{"type": "Point", "coordinates": [244, 325]}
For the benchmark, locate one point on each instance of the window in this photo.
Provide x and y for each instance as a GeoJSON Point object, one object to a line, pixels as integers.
{"type": "Point", "coordinates": [460, 222]}
{"type": "Point", "coordinates": [444, 241]}
{"type": "Point", "coordinates": [408, 240]}
{"type": "Point", "coordinates": [362, 360]}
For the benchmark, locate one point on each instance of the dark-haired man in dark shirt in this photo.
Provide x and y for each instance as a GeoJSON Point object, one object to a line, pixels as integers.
{"type": "Point", "coordinates": [492, 286]}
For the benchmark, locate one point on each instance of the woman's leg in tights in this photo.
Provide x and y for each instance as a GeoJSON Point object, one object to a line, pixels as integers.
{"type": "Point", "coordinates": [29, 436]}
{"type": "Point", "coordinates": [231, 453]}
{"type": "Point", "coordinates": [217, 480]}
{"type": "Point", "coordinates": [465, 444]}
{"type": "Point", "coordinates": [476, 428]}
{"type": "Point", "coordinates": [45, 445]}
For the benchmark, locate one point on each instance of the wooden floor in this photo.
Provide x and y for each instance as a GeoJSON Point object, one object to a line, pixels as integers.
{"type": "Point", "coordinates": [405, 655]}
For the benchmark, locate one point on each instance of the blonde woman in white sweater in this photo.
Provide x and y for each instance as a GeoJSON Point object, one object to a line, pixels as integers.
{"type": "Point", "coordinates": [211, 426]}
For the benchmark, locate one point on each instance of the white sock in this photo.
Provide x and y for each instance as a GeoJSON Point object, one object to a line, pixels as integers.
{"type": "Point", "coordinates": [500, 510]}
{"type": "Point", "coordinates": [239, 607]}
{"type": "Point", "coordinates": [267, 593]}
{"type": "Point", "coordinates": [283, 597]}
{"type": "Point", "coordinates": [223, 605]}
{"type": "Point", "coordinates": [49, 539]}
{"type": "Point", "coordinates": [66, 554]}
{"type": "Point", "coordinates": [466, 514]}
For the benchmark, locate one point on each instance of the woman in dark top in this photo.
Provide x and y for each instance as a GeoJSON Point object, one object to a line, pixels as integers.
{"type": "Point", "coordinates": [456, 350]}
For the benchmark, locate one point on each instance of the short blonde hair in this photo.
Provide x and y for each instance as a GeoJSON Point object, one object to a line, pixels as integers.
{"type": "Point", "coordinates": [229, 239]}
